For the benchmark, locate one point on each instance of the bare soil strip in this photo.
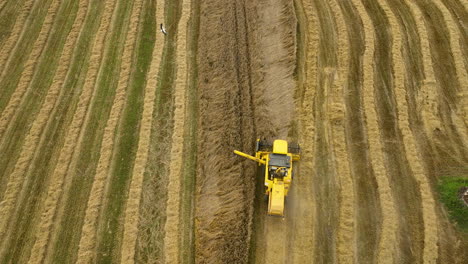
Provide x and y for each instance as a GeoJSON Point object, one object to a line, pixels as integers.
{"type": "Point", "coordinates": [62, 177]}
{"type": "Point", "coordinates": [16, 35]}
{"type": "Point", "coordinates": [388, 237]}
{"type": "Point", "coordinates": [15, 180]}
{"type": "Point", "coordinates": [24, 77]}
{"type": "Point", "coordinates": [172, 232]}
{"type": "Point", "coordinates": [302, 230]}
{"type": "Point", "coordinates": [368, 211]}
{"type": "Point", "coordinates": [136, 185]}
{"type": "Point", "coordinates": [412, 154]}
{"type": "Point", "coordinates": [88, 240]}
{"type": "Point", "coordinates": [30, 148]}
{"type": "Point", "coordinates": [337, 115]}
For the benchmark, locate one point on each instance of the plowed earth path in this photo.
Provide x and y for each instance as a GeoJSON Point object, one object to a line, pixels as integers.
{"type": "Point", "coordinates": [116, 140]}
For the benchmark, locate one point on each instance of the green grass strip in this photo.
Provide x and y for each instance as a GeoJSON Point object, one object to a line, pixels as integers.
{"type": "Point", "coordinates": [22, 51]}
{"type": "Point", "coordinates": [43, 165]}
{"type": "Point", "coordinates": [190, 143]}
{"type": "Point", "coordinates": [69, 231]}
{"type": "Point", "coordinates": [448, 189]}
{"type": "Point", "coordinates": [110, 236]}
{"type": "Point", "coordinates": [157, 170]}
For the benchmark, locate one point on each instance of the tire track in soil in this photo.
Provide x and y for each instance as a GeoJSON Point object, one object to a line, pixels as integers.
{"type": "Point", "coordinates": [31, 150]}
{"type": "Point", "coordinates": [404, 185]}
{"type": "Point", "coordinates": [171, 230]}
{"type": "Point", "coordinates": [367, 206]}
{"type": "Point", "coordinates": [449, 144]}
{"type": "Point", "coordinates": [62, 139]}
{"type": "Point", "coordinates": [62, 177]}
{"type": "Point", "coordinates": [302, 231]}
{"type": "Point", "coordinates": [88, 240]}
{"type": "Point", "coordinates": [9, 141]}
{"type": "Point", "coordinates": [152, 209]}
{"type": "Point", "coordinates": [10, 107]}
{"type": "Point", "coordinates": [325, 186]}
{"type": "Point", "coordinates": [347, 213]}
{"type": "Point", "coordinates": [17, 33]}
{"type": "Point", "coordinates": [225, 190]}
{"type": "Point", "coordinates": [387, 244]}
{"type": "Point", "coordinates": [134, 198]}
{"type": "Point", "coordinates": [430, 245]}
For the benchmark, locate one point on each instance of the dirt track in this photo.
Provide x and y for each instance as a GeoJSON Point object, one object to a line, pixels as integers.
{"type": "Point", "coordinates": [117, 140]}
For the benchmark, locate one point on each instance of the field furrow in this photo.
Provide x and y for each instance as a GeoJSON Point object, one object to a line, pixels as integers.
{"type": "Point", "coordinates": [430, 246]}
{"type": "Point", "coordinates": [388, 242]}
{"type": "Point", "coordinates": [15, 133]}
{"type": "Point", "coordinates": [368, 211]}
{"type": "Point", "coordinates": [88, 238]}
{"type": "Point", "coordinates": [30, 148]}
{"type": "Point", "coordinates": [134, 198]}
{"type": "Point", "coordinates": [20, 67]}
{"type": "Point", "coordinates": [10, 138]}
{"type": "Point", "coordinates": [404, 185]}
{"type": "Point", "coordinates": [325, 185]}
{"type": "Point", "coordinates": [150, 241]}
{"type": "Point", "coordinates": [7, 44]}
{"type": "Point", "coordinates": [172, 233]}
{"type": "Point", "coordinates": [65, 172]}
{"type": "Point", "coordinates": [118, 121]}
{"type": "Point", "coordinates": [55, 160]}
{"type": "Point", "coordinates": [461, 74]}
{"type": "Point", "coordinates": [346, 233]}
{"type": "Point", "coordinates": [447, 137]}
{"type": "Point", "coordinates": [9, 12]}
{"type": "Point", "coordinates": [303, 232]}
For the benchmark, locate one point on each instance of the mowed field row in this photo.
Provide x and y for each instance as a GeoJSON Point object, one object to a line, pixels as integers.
{"type": "Point", "coordinates": [116, 140]}
{"type": "Point", "coordinates": [81, 88]}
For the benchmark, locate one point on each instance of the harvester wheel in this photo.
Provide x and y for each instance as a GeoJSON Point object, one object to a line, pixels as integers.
{"type": "Point", "coordinates": [265, 145]}
{"type": "Point", "coordinates": [294, 148]}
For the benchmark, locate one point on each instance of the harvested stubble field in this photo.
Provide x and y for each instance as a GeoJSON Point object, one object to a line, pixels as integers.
{"type": "Point", "coordinates": [116, 140]}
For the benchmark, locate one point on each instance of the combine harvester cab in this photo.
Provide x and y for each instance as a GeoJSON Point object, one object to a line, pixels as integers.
{"type": "Point", "coordinates": [277, 159]}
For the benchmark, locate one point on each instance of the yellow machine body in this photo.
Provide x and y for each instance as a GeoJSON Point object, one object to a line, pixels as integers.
{"type": "Point", "coordinates": [278, 173]}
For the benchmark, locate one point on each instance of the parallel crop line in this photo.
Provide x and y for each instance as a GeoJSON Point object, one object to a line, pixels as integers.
{"type": "Point", "coordinates": [16, 33]}
{"type": "Point", "coordinates": [33, 137]}
{"type": "Point", "coordinates": [16, 178]}
{"type": "Point", "coordinates": [172, 232]}
{"type": "Point", "coordinates": [305, 228]}
{"type": "Point", "coordinates": [346, 235]}
{"type": "Point", "coordinates": [409, 142]}
{"type": "Point", "coordinates": [455, 49]}
{"type": "Point", "coordinates": [134, 198]}
{"type": "Point", "coordinates": [428, 100]}
{"type": "Point", "coordinates": [88, 239]}
{"type": "Point", "coordinates": [71, 139]}
{"type": "Point", "coordinates": [388, 239]}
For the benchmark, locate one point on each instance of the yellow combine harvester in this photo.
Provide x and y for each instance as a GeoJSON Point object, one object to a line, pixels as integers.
{"type": "Point", "coordinates": [277, 159]}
